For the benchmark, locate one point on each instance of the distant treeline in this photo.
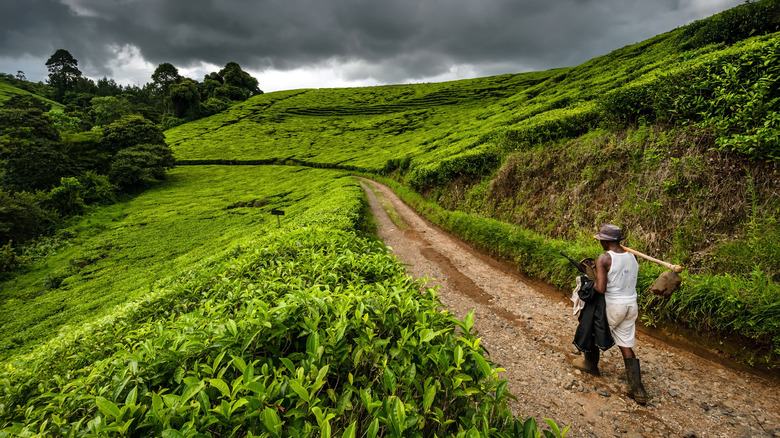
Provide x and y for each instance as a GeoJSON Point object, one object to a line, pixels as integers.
{"type": "Point", "coordinates": [102, 140]}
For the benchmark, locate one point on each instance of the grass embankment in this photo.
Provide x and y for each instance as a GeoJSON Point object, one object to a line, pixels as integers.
{"type": "Point", "coordinates": [308, 329]}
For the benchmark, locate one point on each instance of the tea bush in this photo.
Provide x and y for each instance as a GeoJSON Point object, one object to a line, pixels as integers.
{"type": "Point", "coordinates": [308, 331]}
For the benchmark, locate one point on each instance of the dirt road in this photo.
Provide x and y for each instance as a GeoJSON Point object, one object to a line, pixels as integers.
{"type": "Point", "coordinates": [528, 329]}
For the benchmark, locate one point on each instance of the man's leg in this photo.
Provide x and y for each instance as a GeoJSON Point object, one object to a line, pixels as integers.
{"type": "Point", "coordinates": [624, 333]}
{"type": "Point", "coordinates": [588, 362]}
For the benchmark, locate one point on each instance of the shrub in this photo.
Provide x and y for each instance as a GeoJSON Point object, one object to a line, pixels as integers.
{"type": "Point", "coordinates": [735, 24]}
{"type": "Point", "coordinates": [21, 216]}
{"type": "Point", "coordinates": [97, 188]}
{"type": "Point", "coordinates": [475, 162]}
{"type": "Point", "coordinates": [130, 131]}
{"type": "Point", "coordinates": [735, 93]}
{"type": "Point", "coordinates": [9, 260]}
{"type": "Point", "coordinates": [141, 164]}
{"type": "Point", "coordinates": [312, 330]}
{"type": "Point", "coordinates": [552, 126]}
{"type": "Point", "coordinates": [629, 104]}
{"type": "Point", "coordinates": [169, 122]}
{"type": "Point", "coordinates": [213, 106]}
{"type": "Point", "coordinates": [66, 198]}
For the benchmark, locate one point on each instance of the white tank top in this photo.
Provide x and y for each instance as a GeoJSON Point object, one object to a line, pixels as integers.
{"type": "Point", "coordinates": [621, 279]}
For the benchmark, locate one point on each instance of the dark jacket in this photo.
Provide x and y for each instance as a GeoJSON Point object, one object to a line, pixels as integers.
{"type": "Point", "coordinates": [593, 330]}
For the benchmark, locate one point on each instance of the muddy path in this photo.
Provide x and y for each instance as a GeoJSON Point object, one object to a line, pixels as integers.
{"type": "Point", "coordinates": [528, 329]}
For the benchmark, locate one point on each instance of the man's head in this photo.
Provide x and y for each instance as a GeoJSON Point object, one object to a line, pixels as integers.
{"type": "Point", "coordinates": [609, 235]}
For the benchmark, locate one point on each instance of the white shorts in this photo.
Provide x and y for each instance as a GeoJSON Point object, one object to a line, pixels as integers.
{"type": "Point", "coordinates": [622, 323]}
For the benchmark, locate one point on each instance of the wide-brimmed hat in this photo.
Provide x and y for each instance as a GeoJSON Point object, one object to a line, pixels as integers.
{"type": "Point", "coordinates": [609, 232]}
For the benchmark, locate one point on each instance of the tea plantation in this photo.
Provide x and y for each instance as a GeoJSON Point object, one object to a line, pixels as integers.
{"type": "Point", "coordinates": [188, 311]}
{"type": "Point", "coordinates": [674, 138]}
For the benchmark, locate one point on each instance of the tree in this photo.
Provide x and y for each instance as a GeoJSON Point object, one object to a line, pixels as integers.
{"type": "Point", "coordinates": [108, 87]}
{"type": "Point", "coordinates": [30, 165]}
{"type": "Point", "coordinates": [20, 75]}
{"type": "Point", "coordinates": [164, 76]}
{"type": "Point", "coordinates": [140, 164]}
{"type": "Point", "coordinates": [66, 198]}
{"type": "Point", "coordinates": [138, 152]}
{"type": "Point", "coordinates": [130, 131]}
{"type": "Point", "coordinates": [21, 217]}
{"type": "Point", "coordinates": [31, 156]}
{"type": "Point", "coordinates": [105, 110]}
{"type": "Point", "coordinates": [63, 72]}
{"type": "Point", "coordinates": [234, 76]}
{"type": "Point", "coordinates": [231, 83]}
{"type": "Point", "coordinates": [185, 99]}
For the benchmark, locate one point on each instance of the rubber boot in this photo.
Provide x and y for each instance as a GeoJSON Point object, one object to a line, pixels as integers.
{"type": "Point", "coordinates": [635, 388]}
{"type": "Point", "coordinates": [588, 362]}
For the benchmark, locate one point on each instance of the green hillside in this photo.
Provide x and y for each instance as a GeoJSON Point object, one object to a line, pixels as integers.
{"type": "Point", "coordinates": [7, 90]}
{"type": "Point", "coordinates": [118, 253]}
{"type": "Point", "coordinates": [188, 310]}
{"type": "Point", "coordinates": [674, 138]}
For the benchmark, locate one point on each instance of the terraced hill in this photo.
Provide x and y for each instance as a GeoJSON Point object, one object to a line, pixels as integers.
{"type": "Point", "coordinates": [660, 137]}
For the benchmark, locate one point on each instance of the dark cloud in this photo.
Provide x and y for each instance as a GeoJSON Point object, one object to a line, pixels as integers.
{"type": "Point", "coordinates": [390, 41]}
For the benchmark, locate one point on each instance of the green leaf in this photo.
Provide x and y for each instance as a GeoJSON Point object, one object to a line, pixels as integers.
{"type": "Point", "coordinates": [239, 363]}
{"type": "Point", "coordinates": [500, 389]}
{"type": "Point", "coordinates": [482, 364]}
{"type": "Point", "coordinates": [218, 360]}
{"type": "Point", "coordinates": [249, 373]}
{"type": "Point", "coordinates": [221, 386]}
{"type": "Point", "coordinates": [469, 321]}
{"type": "Point", "coordinates": [231, 326]}
{"type": "Point", "coordinates": [288, 364]}
{"type": "Point", "coordinates": [157, 402]}
{"type": "Point", "coordinates": [203, 400]}
{"type": "Point", "coordinates": [430, 394]}
{"type": "Point", "coordinates": [321, 376]}
{"type": "Point", "coordinates": [300, 390]}
{"type": "Point", "coordinates": [325, 429]}
{"type": "Point", "coordinates": [373, 428]}
{"type": "Point", "coordinates": [530, 428]}
{"type": "Point", "coordinates": [272, 422]}
{"type": "Point", "coordinates": [350, 431]}
{"type": "Point", "coordinates": [107, 407]}
{"type": "Point", "coordinates": [397, 416]}
{"type": "Point", "coordinates": [389, 380]}
{"type": "Point", "coordinates": [191, 391]}
{"type": "Point", "coordinates": [313, 343]}
{"type": "Point", "coordinates": [132, 396]}
{"type": "Point", "coordinates": [172, 433]}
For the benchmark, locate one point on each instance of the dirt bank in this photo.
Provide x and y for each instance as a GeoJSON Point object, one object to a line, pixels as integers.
{"type": "Point", "coordinates": [528, 329]}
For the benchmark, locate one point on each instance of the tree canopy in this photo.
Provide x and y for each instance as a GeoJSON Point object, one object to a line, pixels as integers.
{"type": "Point", "coordinates": [63, 72]}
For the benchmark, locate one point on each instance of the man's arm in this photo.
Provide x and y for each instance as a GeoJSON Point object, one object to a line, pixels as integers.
{"type": "Point", "coordinates": [603, 263]}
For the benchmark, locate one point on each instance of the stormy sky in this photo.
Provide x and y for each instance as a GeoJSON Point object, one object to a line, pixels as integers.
{"type": "Point", "coordinates": [289, 44]}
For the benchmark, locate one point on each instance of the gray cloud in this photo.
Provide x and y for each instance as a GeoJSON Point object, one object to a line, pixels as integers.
{"type": "Point", "coordinates": [391, 41]}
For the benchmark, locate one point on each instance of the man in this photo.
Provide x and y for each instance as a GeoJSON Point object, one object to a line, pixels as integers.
{"type": "Point", "coordinates": [616, 274]}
